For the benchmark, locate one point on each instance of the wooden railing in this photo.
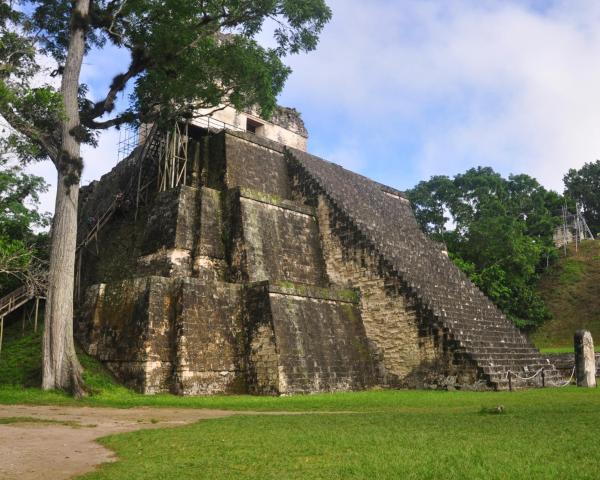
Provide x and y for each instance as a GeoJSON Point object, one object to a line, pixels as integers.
{"type": "Point", "coordinates": [15, 299]}
{"type": "Point", "coordinates": [9, 303]}
{"type": "Point", "coordinates": [101, 221]}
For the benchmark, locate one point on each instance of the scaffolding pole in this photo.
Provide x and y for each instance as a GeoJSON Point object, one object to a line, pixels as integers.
{"type": "Point", "coordinates": [173, 158]}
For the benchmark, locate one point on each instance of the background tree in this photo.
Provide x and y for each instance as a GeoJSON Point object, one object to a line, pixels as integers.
{"type": "Point", "coordinates": [180, 60]}
{"type": "Point", "coordinates": [498, 231]}
{"type": "Point", "coordinates": [583, 186]}
{"type": "Point", "coordinates": [22, 250]}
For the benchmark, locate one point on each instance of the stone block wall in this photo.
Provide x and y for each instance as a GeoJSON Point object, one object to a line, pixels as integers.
{"type": "Point", "coordinates": [113, 255]}
{"type": "Point", "coordinates": [565, 362]}
{"type": "Point", "coordinates": [253, 278]}
{"type": "Point", "coordinates": [285, 125]}
{"type": "Point", "coordinates": [399, 338]}
{"type": "Point", "coordinates": [209, 250]}
{"type": "Point", "coordinates": [169, 233]}
{"type": "Point", "coordinates": [160, 334]}
{"type": "Point", "coordinates": [474, 330]}
{"type": "Point", "coordinates": [208, 339]}
{"type": "Point", "coordinates": [195, 260]}
{"type": "Point", "coordinates": [322, 345]}
{"type": "Point", "coordinates": [241, 160]}
{"type": "Point", "coordinates": [128, 326]}
{"type": "Point", "coordinates": [261, 353]}
{"type": "Point", "coordinates": [306, 339]}
{"type": "Point", "coordinates": [407, 347]}
{"type": "Point", "coordinates": [171, 223]}
{"type": "Point", "coordinates": [276, 241]}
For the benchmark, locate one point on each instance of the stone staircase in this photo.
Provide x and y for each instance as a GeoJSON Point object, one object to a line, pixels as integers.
{"type": "Point", "coordinates": [474, 326]}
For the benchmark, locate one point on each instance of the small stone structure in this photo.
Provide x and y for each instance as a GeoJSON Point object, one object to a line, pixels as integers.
{"type": "Point", "coordinates": [585, 360]}
{"type": "Point", "coordinates": [271, 271]}
{"type": "Point", "coordinates": [285, 125]}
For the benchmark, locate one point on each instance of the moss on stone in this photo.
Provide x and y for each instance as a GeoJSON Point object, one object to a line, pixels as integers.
{"type": "Point", "coordinates": [325, 293]}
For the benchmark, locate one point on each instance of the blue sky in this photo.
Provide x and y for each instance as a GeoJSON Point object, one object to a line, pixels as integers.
{"type": "Point", "coordinates": [402, 90]}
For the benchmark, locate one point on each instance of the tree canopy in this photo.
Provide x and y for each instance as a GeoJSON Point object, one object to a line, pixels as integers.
{"type": "Point", "coordinates": [497, 230]}
{"type": "Point", "coordinates": [583, 186]}
{"type": "Point", "coordinates": [184, 55]}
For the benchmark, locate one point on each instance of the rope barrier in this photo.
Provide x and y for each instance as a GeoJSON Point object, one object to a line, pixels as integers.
{"type": "Point", "coordinates": [568, 382]}
{"type": "Point", "coordinates": [516, 375]}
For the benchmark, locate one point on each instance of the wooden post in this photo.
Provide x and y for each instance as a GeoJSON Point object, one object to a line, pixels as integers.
{"type": "Point", "coordinates": [37, 305]}
{"type": "Point", "coordinates": [543, 378]}
{"type": "Point", "coordinates": [78, 259]}
{"type": "Point", "coordinates": [1, 332]}
{"type": "Point", "coordinates": [510, 380]}
{"type": "Point", "coordinates": [23, 320]}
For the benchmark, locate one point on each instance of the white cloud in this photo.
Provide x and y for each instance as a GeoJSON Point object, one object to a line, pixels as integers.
{"type": "Point", "coordinates": [348, 155]}
{"type": "Point", "coordinates": [495, 83]}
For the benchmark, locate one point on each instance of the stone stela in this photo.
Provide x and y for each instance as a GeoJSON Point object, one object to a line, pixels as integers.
{"type": "Point", "coordinates": [585, 359]}
{"type": "Point", "coordinates": [267, 270]}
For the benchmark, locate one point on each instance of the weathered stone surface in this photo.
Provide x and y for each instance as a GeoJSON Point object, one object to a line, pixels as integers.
{"type": "Point", "coordinates": [113, 254]}
{"type": "Point", "coordinates": [129, 326]}
{"type": "Point", "coordinates": [98, 195]}
{"type": "Point", "coordinates": [280, 273]}
{"type": "Point", "coordinates": [565, 363]}
{"type": "Point", "coordinates": [261, 352]}
{"type": "Point", "coordinates": [208, 339]}
{"type": "Point", "coordinates": [276, 243]}
{"type": "Point", "coordinates": [585, 361]}
{"type": "Point", "coordinates": [174, 262]}
{"type": "Point", "coordinates": [171, 223]}
{"type": "Point", "coordinates": [322, 345]}
{"type": "Point", "coordinates": [210, 241]}
{"type": "Point", "coordinates": [317, 344]}
{"type": "Point", "coordinates": [289, 118]}
{"type": "Point", "coordinates": [284, 127]}
{"type": "Point", "coordinates": [380, 220]}
{"type": "Point", "coordinates": [244, 161]}
{"type": "Point", "coordinates": [397, 337]}
{"type": "Point", "coordinates": [209, 252]}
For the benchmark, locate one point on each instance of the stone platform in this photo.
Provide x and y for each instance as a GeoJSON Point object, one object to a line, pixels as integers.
{"type": "Point", "coordinates": [274, 272]}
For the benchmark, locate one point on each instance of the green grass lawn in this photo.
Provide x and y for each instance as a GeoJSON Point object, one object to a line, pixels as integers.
{"type": "Point", "coordinates": [543, 434]}
{"type": "Point", "coordinates": [569, 349]}
{"type": "Point", "coordinates": [550, 434]}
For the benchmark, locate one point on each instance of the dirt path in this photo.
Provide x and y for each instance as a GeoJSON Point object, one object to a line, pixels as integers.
{"type": "Point", "coordinates": [57, 451]}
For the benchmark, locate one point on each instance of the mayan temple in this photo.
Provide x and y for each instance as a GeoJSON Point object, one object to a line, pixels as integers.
{"type": "Point", "coordinates": [221, 257]}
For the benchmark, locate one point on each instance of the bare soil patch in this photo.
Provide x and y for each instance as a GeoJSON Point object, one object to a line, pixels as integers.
{"type": "Point", "coordinates": [65, 446]}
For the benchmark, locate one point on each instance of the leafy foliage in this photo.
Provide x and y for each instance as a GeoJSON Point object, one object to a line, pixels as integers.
{"type": "Point", "coordinates": [583, 185]}
{"type": "Point", "coordinates": [20, 246]}
{"type": "Point", "coordinates": [184, 56]}
{"type": "Point", "coordinates": [498, 231]}
{"type": "Point", "coordinates": [32, 112]}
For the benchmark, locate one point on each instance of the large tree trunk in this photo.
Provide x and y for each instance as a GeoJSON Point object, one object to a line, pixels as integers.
{"type": "Point", "coordinates": [61, 369]}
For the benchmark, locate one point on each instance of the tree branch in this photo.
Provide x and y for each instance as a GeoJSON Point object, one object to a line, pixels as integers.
{"type": "Point", "coordinates": [43, 140]}
{"type": "Point", "coordinates": [118, 84]}
{"type": "Point", "coordinates": [117, 121]}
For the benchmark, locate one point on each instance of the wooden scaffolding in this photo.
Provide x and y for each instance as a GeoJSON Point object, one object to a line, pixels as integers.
{"type": "Point", "coordinates": [173, 158]}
